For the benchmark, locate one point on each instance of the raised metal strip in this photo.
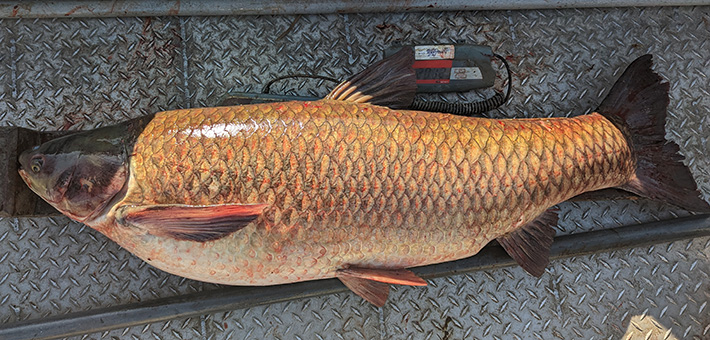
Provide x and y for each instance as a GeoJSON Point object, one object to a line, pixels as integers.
{"type": "Point", "coordinates": [233, 298]}
{"type": "Point", "coordinates": [94, 9]}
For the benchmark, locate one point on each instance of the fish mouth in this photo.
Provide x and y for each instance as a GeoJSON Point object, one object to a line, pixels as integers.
{"type": "Point", "coordinates": [24, 176]}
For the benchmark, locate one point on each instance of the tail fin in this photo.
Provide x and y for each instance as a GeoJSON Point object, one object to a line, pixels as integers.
{"type": "Point", "coordinates": [637, 105]}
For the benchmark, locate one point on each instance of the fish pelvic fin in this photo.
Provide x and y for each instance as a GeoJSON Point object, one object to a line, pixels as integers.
{"type": "Point", "coordinates": [637, 105]}
{"type": "Point", "coordinates": [189, 222]}
{"type": "Point", "coordinates": [389, 82]}
{"type": "Point", "coordinates": [372, 284]}
{"type": "Point", "coordinates": [530, 244]}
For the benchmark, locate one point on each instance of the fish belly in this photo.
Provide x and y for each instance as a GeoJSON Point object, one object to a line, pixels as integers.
{"type": "Point", "coordinates": [356, 184]}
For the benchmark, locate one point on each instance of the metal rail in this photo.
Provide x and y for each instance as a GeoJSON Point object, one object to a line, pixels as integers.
{"type": "Point", "coordinates": [231, 298]}
{"type": "Point", "coordinates": [132, 8]}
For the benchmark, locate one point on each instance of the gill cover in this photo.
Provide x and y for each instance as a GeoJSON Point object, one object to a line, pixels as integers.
{"type": "Point", "coordinates": [80, 174]}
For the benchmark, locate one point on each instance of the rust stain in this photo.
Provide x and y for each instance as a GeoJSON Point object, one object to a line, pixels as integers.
{"type": "Point", "coordinates": [18, 11]}
{"type": "Point", "coordinates": [175, 10]}
{"type": "Point", "coordinates": [512, 59]}
{"type": "Point", "coordinates": [71, 120]}
{"type": "Point", "coordinates": [385, 26]}
{"type": "Point", "coordinates": [152, 45]}
{"type": "Point", "coordinates": [146, 24]}
{"type": "Point", "coordinates": [73, 10]}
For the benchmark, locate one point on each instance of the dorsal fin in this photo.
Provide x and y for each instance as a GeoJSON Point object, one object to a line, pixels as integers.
{"type": "Point", "coordinates": [389, 82]}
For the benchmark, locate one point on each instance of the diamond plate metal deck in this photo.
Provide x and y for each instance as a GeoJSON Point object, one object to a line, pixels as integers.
{"type": "Point", "coordinates": [82, 73]}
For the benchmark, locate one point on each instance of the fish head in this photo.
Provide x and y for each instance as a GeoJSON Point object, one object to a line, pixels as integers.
{"type": "Point", "coordinates": [78, 174]}
{"type": "Point", "coordinates": [47, 174]}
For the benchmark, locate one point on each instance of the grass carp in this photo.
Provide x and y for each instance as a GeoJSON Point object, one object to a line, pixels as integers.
{"type": "Point", "coordinates": [350, 186]}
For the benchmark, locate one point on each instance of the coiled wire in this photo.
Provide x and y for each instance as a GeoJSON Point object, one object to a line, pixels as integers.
{"type": "Point", "coordinates": [460, 109]}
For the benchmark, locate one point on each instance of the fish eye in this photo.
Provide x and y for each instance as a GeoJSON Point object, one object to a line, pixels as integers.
{"type": "Point", "coordinates": [36, 164]}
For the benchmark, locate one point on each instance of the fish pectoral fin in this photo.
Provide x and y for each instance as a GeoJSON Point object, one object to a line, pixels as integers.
{"type": "Point", "coordinates": [199, 223]}
{"type": "Point", "coordinates": [530, 245]}
{"type": "Point", "coordinates": [372, 284]}
{"type": "Point", "coordinates": [389, 82]}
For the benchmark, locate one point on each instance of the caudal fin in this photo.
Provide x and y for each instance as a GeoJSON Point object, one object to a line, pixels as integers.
{"type": "Point", "coordinates": [637, 105]}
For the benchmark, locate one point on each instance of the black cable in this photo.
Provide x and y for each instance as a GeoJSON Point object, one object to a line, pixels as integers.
{"type": "Point", "coordinates": [510, 77]}
{"type": "Point", "coordinates": [267, 87]}
{"type": "Point", "coordinates": [461, 109]}
{"type": "Point", "coordinates": [468, 109]}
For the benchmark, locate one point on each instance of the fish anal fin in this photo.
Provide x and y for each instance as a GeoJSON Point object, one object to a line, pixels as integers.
{"type": "Point", "coordinates": [372, 284]}
{"type": "Point", "coordinates": [392, 276]}
{"type": "Point", "coordinates": [192, 222]}
{"type": "Point", "coordinates": [389, 82]}
{"type": "Point", "coordinates": [372, 291]}
{"type": "Point", "coordinates": [530, 244]}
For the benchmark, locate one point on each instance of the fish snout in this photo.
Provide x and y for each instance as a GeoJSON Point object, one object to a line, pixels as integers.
{"type": "Point", "coordinates": [24, 164]}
